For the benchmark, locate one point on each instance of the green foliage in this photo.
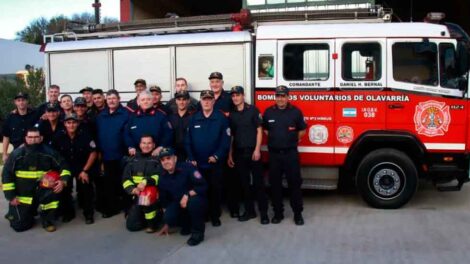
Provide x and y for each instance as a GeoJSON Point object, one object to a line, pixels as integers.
{"type": "Point", "coordinates": [34, 32]}
{"type": "Point", "coordinates": [9, 88]}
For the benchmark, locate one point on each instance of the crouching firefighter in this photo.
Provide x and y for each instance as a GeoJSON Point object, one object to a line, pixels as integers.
{"type": "Point", "coordinates": [183, 197]}
{"type": "Point", "coordinates": [140, 179]}
{"type": "Point", "coordinates": [33, 176]}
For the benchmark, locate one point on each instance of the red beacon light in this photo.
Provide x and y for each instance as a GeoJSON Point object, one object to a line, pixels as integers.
{"type": "Point", "coordinates": [242, 19]}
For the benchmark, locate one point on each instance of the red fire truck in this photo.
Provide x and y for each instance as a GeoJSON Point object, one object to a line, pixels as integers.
{"type": "Point", "coordinates": [386, 103]}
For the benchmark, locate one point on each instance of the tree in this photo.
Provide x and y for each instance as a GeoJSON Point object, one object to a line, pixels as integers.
{"type": "Point", "coordinates": [35, 31]}
{"type": "Point", "coordinates": [34, 87]}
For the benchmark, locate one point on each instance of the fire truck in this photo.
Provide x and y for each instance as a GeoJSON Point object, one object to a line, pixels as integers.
{"type": "Point", "coordinates": [386, 103]}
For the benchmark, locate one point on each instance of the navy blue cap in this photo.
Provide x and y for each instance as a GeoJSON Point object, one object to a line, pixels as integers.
{"type": "Point", "coordinates": [21, 95]}
{"type": "Point", "coordinates": [80, 101]}
{"type": "Point", "coordinates": [52, 107]}
{"type": "Point", "coordinates": [282, 89]}
{"type": "Point", "coordinates": [166, 152]}
{"type": "Point", "coordinates": [207, 93]}
{"type": "Point", "coordinates": [86, 89]}
{"type": "Point", "coordinates": [237, 89]}
{"type": "Point", "coordinates": [182, 94]}
{"type": "Point", "coordinates": [216, 75]}
{"type": "Point", "coordinates": [72, 116]}
{"type": "Point", "coordinates": [155, 88]}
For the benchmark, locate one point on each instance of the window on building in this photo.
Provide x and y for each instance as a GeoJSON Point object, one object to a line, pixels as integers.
{"type": "Point", "coordinates": [415, 62]}
{"type": "Point", "coordinates": [362, 62]}
{"type": "Point", "coordinates": [306, 62]}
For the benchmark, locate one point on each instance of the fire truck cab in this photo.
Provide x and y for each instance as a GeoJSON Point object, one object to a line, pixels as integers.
{"type": "Point", "coordinates": [385, 103]}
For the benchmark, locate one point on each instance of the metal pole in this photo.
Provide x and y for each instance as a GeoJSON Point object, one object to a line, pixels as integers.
{"type": "Point", "coordinates": [97, 6]}
{"type": "Point", "coordinates": [411, 10]}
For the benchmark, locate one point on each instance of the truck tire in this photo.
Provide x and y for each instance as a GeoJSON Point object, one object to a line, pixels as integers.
{"type": "Point", "coordinates": [386, 178]}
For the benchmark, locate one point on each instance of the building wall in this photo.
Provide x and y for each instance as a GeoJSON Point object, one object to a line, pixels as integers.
{"type": "Point", "coordinates": [457, 11]}
{"type": "Point", "coordinates": [15, 55]}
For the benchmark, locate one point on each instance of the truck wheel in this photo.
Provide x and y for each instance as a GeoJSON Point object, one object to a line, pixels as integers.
{"type": "Point", "coordinates": [386, 178]}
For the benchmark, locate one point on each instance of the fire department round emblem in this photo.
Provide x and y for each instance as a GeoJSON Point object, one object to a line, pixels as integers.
{"type": "Point", "coordinates": [318, 134]}
{"type": "Point", "coordinates": [432, 118]}
{"type": "Point", "coordinates": [345, 134]}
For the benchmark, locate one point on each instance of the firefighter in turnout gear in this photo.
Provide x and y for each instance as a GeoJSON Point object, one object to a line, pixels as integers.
{"type": "Point", "coordinates": [25, 167]}
{"type": "Point", "coordinates": [142, 171]}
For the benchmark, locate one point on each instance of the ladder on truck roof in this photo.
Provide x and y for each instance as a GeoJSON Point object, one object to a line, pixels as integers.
{"type": "Point", "coordinates": [224, 22]}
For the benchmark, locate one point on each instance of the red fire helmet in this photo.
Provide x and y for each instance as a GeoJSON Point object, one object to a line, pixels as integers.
{"type": "Point", "coordinates": [148, 196]}
{"type": "Point", "coordinates": [49, 179]}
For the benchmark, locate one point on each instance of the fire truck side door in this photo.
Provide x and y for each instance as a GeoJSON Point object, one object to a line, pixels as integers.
{"type": "Point", "coordinates": [307, 68]}
{"type": "Point", "coordinates": [425, 99]}
{"type": "Point", "coordinates": [359, 100]}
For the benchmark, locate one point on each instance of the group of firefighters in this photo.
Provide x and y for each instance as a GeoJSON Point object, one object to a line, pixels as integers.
{"type": "Point", "coordinates": [164, 165]}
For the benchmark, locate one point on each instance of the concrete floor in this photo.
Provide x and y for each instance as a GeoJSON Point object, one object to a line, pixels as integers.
{"type": "Point", "coordinates": [340, 228]}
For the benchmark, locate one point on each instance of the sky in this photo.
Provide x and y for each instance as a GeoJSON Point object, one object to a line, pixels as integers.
{"type": "Point", "coordinates": [15, 15]}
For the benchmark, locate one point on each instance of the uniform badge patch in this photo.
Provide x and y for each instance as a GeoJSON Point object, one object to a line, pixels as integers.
{"type": "Point", "coordinates": [318, 134]}
{"type": "Point", "coordinates": [432, 118]}
{"type": "Point", "coordinates": [345, 134]}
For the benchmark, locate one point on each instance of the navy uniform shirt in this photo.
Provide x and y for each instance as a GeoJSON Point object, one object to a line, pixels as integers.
{"type": "Point", "coordinates": [283, 126]}
{"type": "Point", "coordinates": [207, 136]}
{"type": "Point", "coordinates": [152, 122]}
{"type": "Point", "coordinates": [180, 126]}
{"type": "Point", "coordinates": [172, 187]}
{"type": "Point", "coordinates": [15, 126]}
{"type": "Point", "coordinates": [163, 107]}
{"type": "Point", "coordinates": [75, 151]}
{"type": "Point", "coordinates": [132, 105]}
{"type": "Point", "coordinates": [47, 132]}
{"type": "Point", "coordinates": [224, 103]}
{"type": "Point", "coordinates": [244, 125]}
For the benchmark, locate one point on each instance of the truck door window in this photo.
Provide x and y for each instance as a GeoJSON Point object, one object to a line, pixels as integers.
{"type": "Point", "coordinates": [415, 62]}
{"type": "Point", "coordinates": [362, 62]}
{"type": "Point", "coordinates": [302, 62]}
{"type": "Point", "coordinates": [447, 66]}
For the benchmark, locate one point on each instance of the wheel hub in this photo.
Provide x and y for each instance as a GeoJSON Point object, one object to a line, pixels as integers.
{"type": "Point", "coordinates": [386, 182]}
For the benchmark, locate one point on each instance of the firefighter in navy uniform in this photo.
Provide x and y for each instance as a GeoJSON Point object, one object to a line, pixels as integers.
{"type": "Point", "coordinates": [179, 121]}
{"type": "Point", "coordinates": [183, 197]}
{"type": "Point", "coordinates": [207, 144]}
{"type": "Point", "coordinates": [245, 154]}
{"type": "Point", "coordinates": [140, 85]}
{"type": "Point", "coordinates": [52, 125]}
{"type": "Point", "coordinates": [223, 102]}
{"type": "Point", "coordinates": [141, 171]}
{"type": "Point", "coordinates": [156, 92]}
{"type": "Point", "coordinates": [25, 166]}
{"type": "Point", "coordinates": [79, 150]}
{"type": "Point", "coordinates": [16, 123]}
{"type": "Point", "coordinates": [284, 124]}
